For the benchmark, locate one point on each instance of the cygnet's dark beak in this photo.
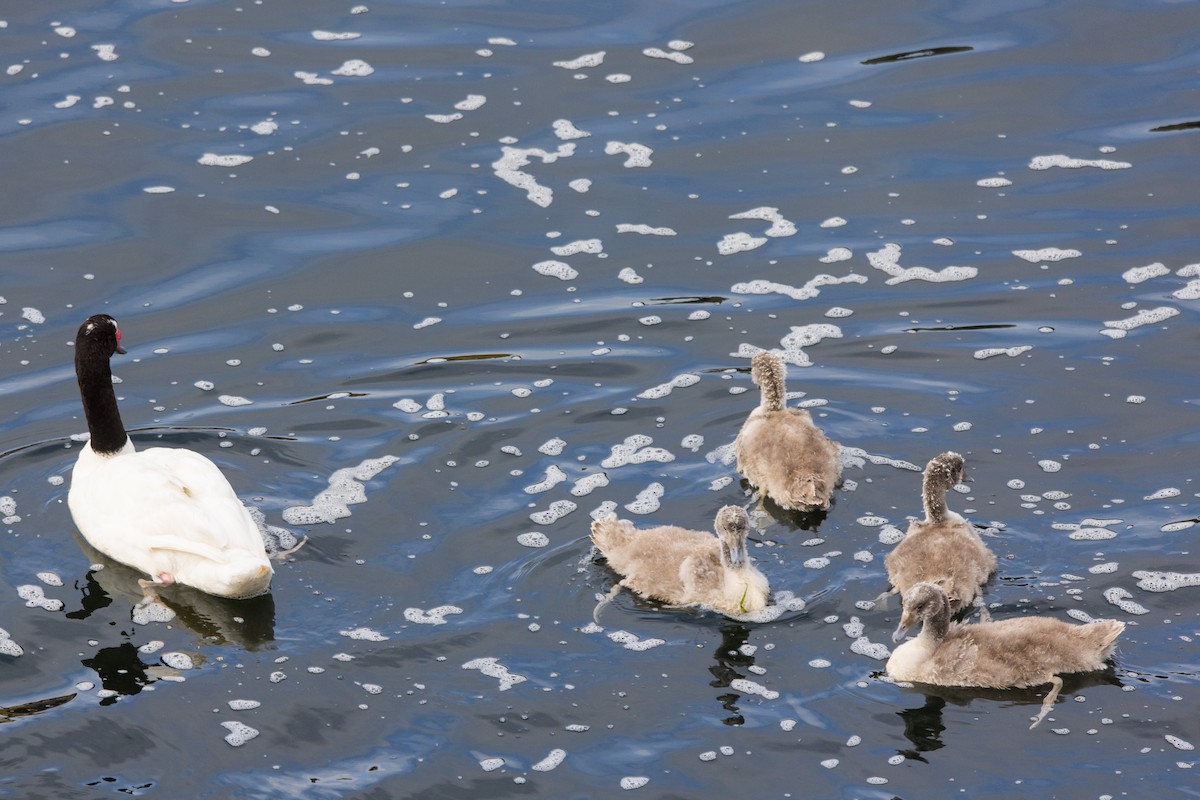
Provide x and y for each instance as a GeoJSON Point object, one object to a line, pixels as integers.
{"type": "Point", "coordinates": [900, 632]}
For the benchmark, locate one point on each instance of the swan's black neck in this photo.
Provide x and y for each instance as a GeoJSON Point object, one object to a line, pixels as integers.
{"type": "Point", "coordinates": [92, 370]}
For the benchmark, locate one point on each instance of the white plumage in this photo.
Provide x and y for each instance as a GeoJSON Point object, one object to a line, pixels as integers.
{"type": "Point", "coordinates": [168, 512]}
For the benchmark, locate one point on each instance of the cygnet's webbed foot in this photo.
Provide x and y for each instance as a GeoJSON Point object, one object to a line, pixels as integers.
{"type": "Point", "coordinates": [605, 600]}
{"type": "Point", "coordinates": [882, 599]}
{"type": "Point", "coordinates": [1056, 684]}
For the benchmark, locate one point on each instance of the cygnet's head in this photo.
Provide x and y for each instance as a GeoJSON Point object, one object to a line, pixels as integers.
{"type": "Point", "coordinates": [922, 602]}
{"type": "Point", "coordinates": [732, 524]}
{"type": "Point", "coordinates": [946, 470]}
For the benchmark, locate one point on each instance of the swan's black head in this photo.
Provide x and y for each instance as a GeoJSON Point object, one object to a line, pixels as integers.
{"type": "Point", "coordinates": [102, 331]}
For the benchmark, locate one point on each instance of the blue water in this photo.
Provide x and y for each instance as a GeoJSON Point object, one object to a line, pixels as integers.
{"type": "Point", "coordinates": [367, 282]}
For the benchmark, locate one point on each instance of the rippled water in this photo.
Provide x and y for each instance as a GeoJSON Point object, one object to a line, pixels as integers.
{"type": "Point", "coordinates": [458, 281]}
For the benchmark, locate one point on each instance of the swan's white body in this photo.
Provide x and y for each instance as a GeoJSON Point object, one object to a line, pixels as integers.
{"type": "Point", "coordinates": [168, 512]}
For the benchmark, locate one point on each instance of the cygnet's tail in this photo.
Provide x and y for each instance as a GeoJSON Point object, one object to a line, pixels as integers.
{"type": "Point", "coordinates": [610, 533]}
{"type": "Point", "coordinates": [810, 491]}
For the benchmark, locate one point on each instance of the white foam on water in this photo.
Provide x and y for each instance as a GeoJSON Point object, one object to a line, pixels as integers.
{"type": "Point", "coordinates": [566, 130]}
{"type": "Point", "coordinates": [557, 510]}
{"type": "Point", "coordinates": [1106, 568]}
{"type": "Point", "coordinates": [588, 484]}
{"type": "Point", "coordinates": [239, 733]}
{"type": "Point", "coordinates": [425, 323]}
{"type": "Point", "coordinates": [589, 246]}
{"type": "Point", "coordinates": [630, 276]}
{"type": "Point", "coordinates": [668, 55]}
{"type": "Point", "coordinates": [106, 52]}
{"type": "Point", "coordinates": [345, 489]}
{"type": "Point", "coordinates": [1165, 581]}
{"type": "Point", "coordinates": [552, 447]}
{"type": "Point", "coordinates": [1177, 743]}
{"type": "Point", "coordinates": [553, 759]}
{"type": "Point", "coordinates": [234, 400]}
{"type": "Point", "coordinates": [663, 389]}
{"type": "Point", "coordinates": [1163, 494]}
{"type": "Point", "coordinates": [750, 687]}
{"type": "Point", "coordinates": [492, 668]}
{"type": "Point", "coordinates": [834, 222]}
{"type": "Point", "coordinates": [552, 269]}
{"type": "Point", "coordinates": [1065, 162]}
{"type": "Point", "coordinates": [354, 68]}
{"type": "Point", "coordinates": [817, 563]}
{"type": "Point", "coordinates": [179, 661]}
{"type": "Point", "coordinates": [836, 254]}
{"type": "Point", "coordinates": [471, 102]}
{"type": "Point", "coordinates": [1189, 292]}
{"type": "Point", "coordinates": [216, 160]}
{"type": "Point", "coordinates": [645, 230]}
{"type": "Point", "coordinates": [1092, 534]}
{"type": "Point", "coordinates": [779, 225]}
{"type": "Point", "coordinates": [720, 483]}
{"type": "Point", "coordinates": [533, 539]}
{"type": "Point", "coordinates": [68, 101]}
{"type": "Point", "coordinates": [1046, 254]}
{"type": "Point", "coordinates": [1120, 598]}
{"type": "Point", "coordinates": [1011, 352]}
{"type": "Point", "coordinates": [554, 476]}
{"type": "Point", "coordinates": [364, 634]}
{"type": "Point", "coordinates": [693, 442]}
{"type": "Point", "coordinates": [312, 78]}
{"type": "Point", "coordinates": [8, 647]}
{"type": "Point", "coordinates": [887, 260]}
{"type": "Point", "coordinates": [145, 613]}
{"type": "Point", "coordinates": [584, 61]}
{"type": "Point", "coordinates": [408, 405]}
{"type": "Point", "coordinates": [158, 189]}
{"type": "Point", "coordinates": [619, 77]}
{"type": "Point", "coordinates": [740, 242]}
{"type": "Point", "coordinates": [638, 154]}
{"type": "Point", "coordinates": [865, 647]}
{"type": "Point", "coordinates": [1047, 465]}
{"type": "Point", "coordinates": [508, 169]}
{"type": "Point", "coordinates": [817, 55]}
{"type": "Point", "coordinates": [1144, 316]}
{"type": "Point", "coordinates": [444, 119]}
{"type": "Point", "coordinates": [646, 501]}
{"type": "Point", "coordinates": [434, 616]}
{"type": "Point", "coordinates": [243, 705]}
{"type": "Point", "coordinates": [34, 597]}
{"type": "Point", "coordinates": [993, 183]}
{"type": "Point", "coordinates": [580, 185]}
{"type": "Point", "coordinates": [1140, 274]}
{"type": "Point", "coordinates": [330, 36]}
{"type": "Point", "coordinates": [630, 782]}
{"type": "Point", "coordinates": [1172, 527]}
{"type": "Point", "coordinates": [806, 292]}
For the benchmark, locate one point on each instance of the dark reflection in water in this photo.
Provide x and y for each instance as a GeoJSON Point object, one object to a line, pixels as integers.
{"type": "Point", "coordinates": [249, 623]}
{"type": "Point", "coordinates": [1177, 126]}
{"type": "Point", "coordinates": [924, 726]}
{"type": "Point", "coordinates": [732, 664]}
{"type": "Point", "coordinates": [911, 54]}
{"type": "Point", "coordinates": [120, 669]}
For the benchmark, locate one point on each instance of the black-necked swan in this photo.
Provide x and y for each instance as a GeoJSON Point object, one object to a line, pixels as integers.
{"type": "Point", "coordinates": [943, 548]}
{"type": "Point", "coordinates": [999, 654]}
{"type": "Point", "coordinates": [685, 567]}
{"type": "Point", "coordinates": [780, 451]}
{"type": "Point", "coordinates": [168, 512]}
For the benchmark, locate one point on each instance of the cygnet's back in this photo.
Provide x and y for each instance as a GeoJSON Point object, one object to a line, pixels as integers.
{"type": "Point", "coordinates": [780, 450]}
{"type": "Point", "coordinates": [943, 548]}
{"type": "Point", "coordinates": [685, 567]}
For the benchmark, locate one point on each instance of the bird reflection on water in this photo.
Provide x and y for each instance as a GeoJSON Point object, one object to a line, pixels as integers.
{"type": "Point", "coordinates": [731, 664]}
{"type": "Point", "coordinates": [248, 624]}
{"type": "Point", "coordinates": [924, 725]}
